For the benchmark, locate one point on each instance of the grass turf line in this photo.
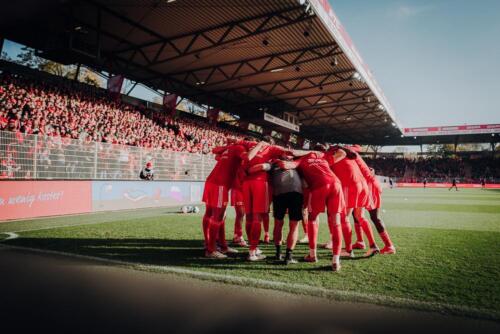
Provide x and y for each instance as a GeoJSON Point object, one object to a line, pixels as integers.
{"type": "Point", "coordinates": [434, 266]}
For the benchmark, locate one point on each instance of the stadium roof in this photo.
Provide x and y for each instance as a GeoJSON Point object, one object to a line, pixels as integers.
{"type": "Point", "coordinates": [243, 56]}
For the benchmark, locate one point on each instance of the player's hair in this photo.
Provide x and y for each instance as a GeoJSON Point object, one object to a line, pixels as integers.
{"type": "Point", "coordinates": [269, 139]}
{"type": "Point", "coordinates": [320, 147]}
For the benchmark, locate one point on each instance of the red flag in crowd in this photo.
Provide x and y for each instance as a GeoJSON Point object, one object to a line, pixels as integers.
{"type": "Point", "coordinates": [170, 104]}
{"type": "Point", "coordinates": [285, 136]}
{"type": "Point", "coordinates": [243, 124]}
{"type": "Point", "coordinates": [300, 142]}
{"type": "Point", "coordinates": [114, 85]}
{"type": "Point", "coordinates": [213, 115]}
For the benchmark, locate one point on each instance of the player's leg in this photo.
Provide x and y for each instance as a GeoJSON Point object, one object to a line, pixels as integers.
{"type": "Point", "coordinates": [294, 206]}
{"type": "Point", "coordinates": [278, 236]}
{"type": "Point", "coordinates": [335, 228]}
{"type": "Point", "coordinates": [346, 233]}
{"type": "Point", "coordinates": [359, 244]}
{"type": "Point", "coordinates": [382, 231]}
{"type": "Point", "coordinates": [216, 222]}
{"type": "Point", "coordinates": [207, 193]}
{"type": "Point", "coordinates": [224, 248]}
{"type": "Point", "coordinates": [367, 229]}
{"type": "Point", "coordinates": [265, 225]}
{"type": "Point", "coordinates": [279, 209]}
{"type": "Point", "coordinates": [305, 215]}
{"type": "Point", "coordinates": [312, 233]}
{"type": "Point", "coordinates": [238, 229]}
{"type": "Point", "coordinates": [206, 224]}
{"type": "Point", "coordinates": [248, 205]}
{"type": "Point", "coordinates": [259, 207]}
{"type": "Point", "coordinates": [265, 216]}
{"type": "Point", "coordinates": [336, 206]}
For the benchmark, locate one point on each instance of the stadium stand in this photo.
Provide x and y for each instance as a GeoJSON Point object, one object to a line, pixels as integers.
{"type": "Point", "coordinates": [434, 169]}
{"type": "Point", "coordinates": [66, 109]}
{"type": "Point", "coordinates": [83, 133]}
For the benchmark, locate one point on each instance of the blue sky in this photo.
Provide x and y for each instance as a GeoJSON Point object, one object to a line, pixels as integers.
{"type": "Point", "coordinates": [437, 61]}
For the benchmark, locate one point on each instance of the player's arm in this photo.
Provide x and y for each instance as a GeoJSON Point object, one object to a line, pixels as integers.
{"type": "Point", "coordinates": [338, 156]}
{"type": "Point", "coordinates": [286, 165]}
{"type": "Point", "coordinates": [253, 152]}
{"type": "Point", "coordinates": [300, 153]}
{"type": "Point", "coordinates": [219, 149]}
{"type": "Point", "coordinates": [217, 157]}
{"type": "Point", "coordinates": [258, 168]}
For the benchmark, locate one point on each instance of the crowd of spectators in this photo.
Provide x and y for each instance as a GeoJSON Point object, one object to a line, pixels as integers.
{"type": "Point", "coordinates": [67, 109]}
{"type": "Point", "coordinates": [437, 169]}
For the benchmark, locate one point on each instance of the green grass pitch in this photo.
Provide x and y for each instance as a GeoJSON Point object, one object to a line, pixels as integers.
{"type": "Point", "coordinates": [448, 250]}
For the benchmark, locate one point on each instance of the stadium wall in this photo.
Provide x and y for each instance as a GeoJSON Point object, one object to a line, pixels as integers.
{"type": "Point", "coordinates": [33, 199]}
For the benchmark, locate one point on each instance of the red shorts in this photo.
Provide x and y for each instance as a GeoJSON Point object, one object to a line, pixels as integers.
{"type": "Point", "coordinates": [256, 196]}
{"type": "Point", "coordinates": [236, 197]}
{"type": "Point", "coordinates": [356, 195]}
{"type": "Point", "coordinates": [215, 196]}
{"type": "Point", "coordinates": [375, 196]}
{"type": "Point", "coordinates": [329, 196]}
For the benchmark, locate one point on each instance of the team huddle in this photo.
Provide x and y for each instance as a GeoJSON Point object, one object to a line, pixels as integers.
{"type": "Point", "coordinates": [302, 184]}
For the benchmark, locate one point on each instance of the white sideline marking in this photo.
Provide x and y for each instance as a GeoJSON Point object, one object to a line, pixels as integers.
{"type": "Point", "coordinates": [11, 235]}
{"type": "Point", "coordinates": [346, 296]}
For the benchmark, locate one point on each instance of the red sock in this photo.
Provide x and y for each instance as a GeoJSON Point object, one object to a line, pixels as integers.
{"type": "Point", "coordinates": [359, 232]}
{"type": "Point", "coordinates": [278, 231]}
{"type": "Point", "coordinates": [368, 231]}
{"type": "Point", "coordinates": [312, 233]}
{"type": "Point", "coordinates": [213, 234]}
{"type": "Point", "coordinates": [385, 237]}
{"type": "Point", "coordinates": [265, 222]}
{"type": "Point", "coordinates": [336, 233]}
{"type": "Point", "coordinates": [255, 233]}
{"type": "Point", "coordinates": [238, 230]}
{"type": "Point", "coordinates": [347, 233]}
{"type": "Point", "coordinates": [222, 235]}
{"type": "Point", "coordinates": [248, 228]}
{"type": "Point", "coordinates": [206, 226]}
{"type": "Point", "coordinates": [304, 226]}
{"type": "Point", "coordinates": [337, 239]}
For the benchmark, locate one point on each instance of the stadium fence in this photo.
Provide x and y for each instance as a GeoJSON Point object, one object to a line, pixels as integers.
{"type": "Point", "coordinates": [55, 158]}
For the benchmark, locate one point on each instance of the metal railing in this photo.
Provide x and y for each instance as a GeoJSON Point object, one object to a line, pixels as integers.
{"type": "Point", "coordinates": [46, 157]}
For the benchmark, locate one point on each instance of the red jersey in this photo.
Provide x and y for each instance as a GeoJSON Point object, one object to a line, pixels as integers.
{"type": "Point", "coordinates": [347, 170]}
{"type": "Point", "coordinates": [238, 180]}
{"type": "Point", "coordinates": [265, 155]}
{"type": "Point", "coordinates": [315, 169]}
{"type": "Point", "coordinates": [365, 170]}
{"type": "Point", "coordinates": [228, 162]}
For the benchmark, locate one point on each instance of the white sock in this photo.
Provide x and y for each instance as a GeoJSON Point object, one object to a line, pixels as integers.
{"type": "Point", "coordinates": [336, 259]}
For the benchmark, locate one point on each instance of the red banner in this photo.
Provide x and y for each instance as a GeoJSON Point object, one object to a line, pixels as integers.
{"type": "Point", "coordinates": [243, 125]}
{"type": "Point", "coordinates": [213, 115]}
{"type": "Point", "coordinates": [286, 137]}
{"type": "Point", "coordinates": [452, 130]}
{"type": "Point", "coordinates": [114, 85]}
{"type": "Point", "coordinates": [170, 103]}
{"type": "Point", "coordinates": [446, 185]}
{"type": "Point", "coordinates": [26, 199]}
